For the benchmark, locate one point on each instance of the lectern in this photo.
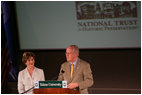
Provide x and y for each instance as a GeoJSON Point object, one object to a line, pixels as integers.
{"type": "Point", "coordinates": [53, 87]}
{"type": "Point", "coordinates": [55, 91]}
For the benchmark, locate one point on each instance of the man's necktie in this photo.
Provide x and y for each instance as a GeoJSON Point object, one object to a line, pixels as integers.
{"type": "Point", "coordinates": [71, 70]}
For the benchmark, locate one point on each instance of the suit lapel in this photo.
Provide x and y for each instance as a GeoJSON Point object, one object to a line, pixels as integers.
{"type": "Point", "coordinates": [68, 72]}
{"type": "Point", "coordinates": [27, 73]}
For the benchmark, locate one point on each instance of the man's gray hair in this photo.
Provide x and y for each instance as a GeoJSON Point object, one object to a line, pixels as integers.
{"type": "Point", "coordinates": [75, 47]}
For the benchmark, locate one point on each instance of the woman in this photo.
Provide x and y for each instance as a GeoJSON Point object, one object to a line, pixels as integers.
{"type": "Point", "coordinates": [30, 74]}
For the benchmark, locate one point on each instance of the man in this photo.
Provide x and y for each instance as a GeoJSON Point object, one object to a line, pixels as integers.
{"type": "Point", "coordinates": [75, 71]}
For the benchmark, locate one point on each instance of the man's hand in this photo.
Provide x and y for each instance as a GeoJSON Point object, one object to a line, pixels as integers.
{"type": "Point", "coordinates": [73, 85]}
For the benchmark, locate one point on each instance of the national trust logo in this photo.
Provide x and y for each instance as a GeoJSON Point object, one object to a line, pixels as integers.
{"type": "Point", "coordinates": [105, 9]}
{"type": "Point", "coordinates": [116, 16]}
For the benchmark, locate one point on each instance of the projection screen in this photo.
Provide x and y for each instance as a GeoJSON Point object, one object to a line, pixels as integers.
{"type": "Point", "coordinates": [90, 25]}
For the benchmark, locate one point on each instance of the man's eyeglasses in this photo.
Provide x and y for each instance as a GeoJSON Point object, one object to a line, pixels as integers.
{"type": "Point", "coordinates": [68, 53]}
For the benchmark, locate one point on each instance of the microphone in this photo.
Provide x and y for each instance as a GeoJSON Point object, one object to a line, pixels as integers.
{"type": "Point", "coordinates": [55, 78]}
{"type": "Point", "coordinates": [27, 90]}
{"type": "Point", "coordinates": [62, 71]}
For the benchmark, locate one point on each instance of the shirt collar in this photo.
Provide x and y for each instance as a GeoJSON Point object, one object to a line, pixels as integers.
{"type": "Point", "coordinates": [74, 63]}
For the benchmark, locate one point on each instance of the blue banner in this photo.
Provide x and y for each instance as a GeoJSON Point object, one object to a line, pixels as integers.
{"type": "Point", "coordinates": [7, 9]}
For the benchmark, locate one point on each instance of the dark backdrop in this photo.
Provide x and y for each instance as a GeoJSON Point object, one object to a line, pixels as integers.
{"type": "Point", "coordinates": [113, 69]}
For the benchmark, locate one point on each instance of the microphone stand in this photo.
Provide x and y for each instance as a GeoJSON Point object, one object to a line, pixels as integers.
{"type": "Point", "coordinates": [27, 90]}
{"type": "Point", "coordinates": [55, 78]}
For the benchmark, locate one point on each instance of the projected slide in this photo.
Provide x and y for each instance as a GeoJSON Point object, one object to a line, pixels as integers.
{"type": "Point", "coordinates": [90, 25]}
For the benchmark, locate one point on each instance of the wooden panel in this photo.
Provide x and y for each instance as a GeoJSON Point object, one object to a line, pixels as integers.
{"type": "Point", "coordinates": [55, 91]}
